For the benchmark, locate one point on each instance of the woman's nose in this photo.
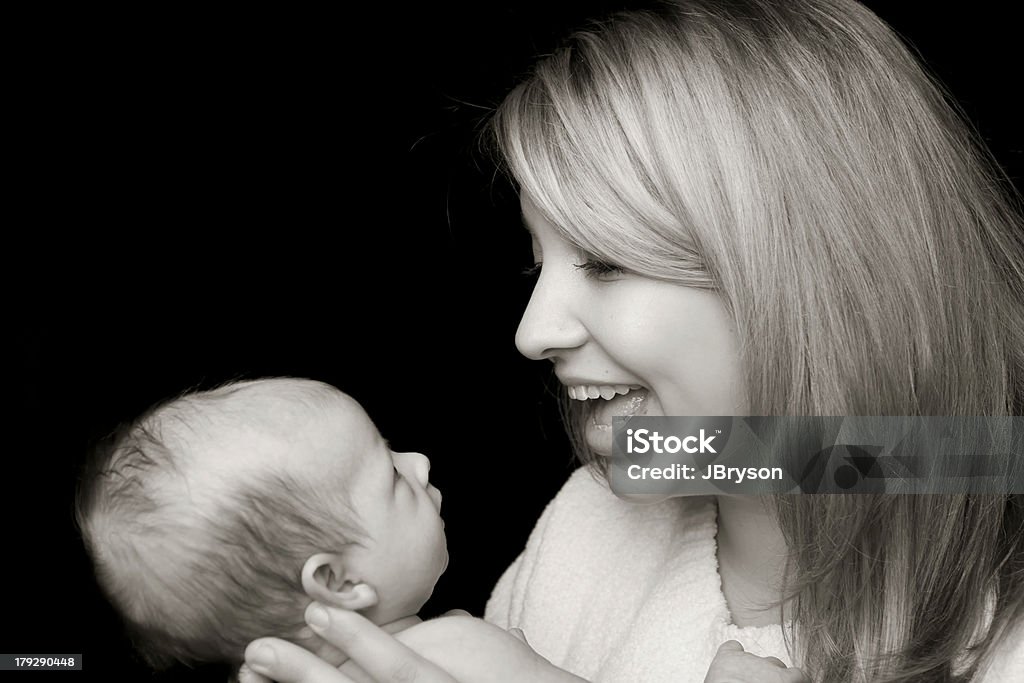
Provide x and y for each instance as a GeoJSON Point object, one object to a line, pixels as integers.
{"type": "Point", "coordinates": [415, 465]}
{"type": "Point", "coordinates": [550, 324]}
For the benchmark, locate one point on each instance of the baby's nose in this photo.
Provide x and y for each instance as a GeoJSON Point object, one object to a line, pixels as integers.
{"type": "Point", "coordinates": [420, 466]}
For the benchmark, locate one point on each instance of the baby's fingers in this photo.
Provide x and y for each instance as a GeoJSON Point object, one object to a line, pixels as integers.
{"type": "Point", "coordinates": [247, 675]}
{"type": "Point", "coordinates": [730, 646]}
{"type": "Point", "coordinates": [456, 613]}
{"type": "Point", "coordinates": [281, 661]}
{"type": "Point", "coordinates": [795, 675]}
{"type": "Point", "coordinates": [733, 665]}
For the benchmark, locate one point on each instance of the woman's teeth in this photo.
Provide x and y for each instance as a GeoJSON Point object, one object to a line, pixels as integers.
{"type": "Point", "coordinates": [585, 392]}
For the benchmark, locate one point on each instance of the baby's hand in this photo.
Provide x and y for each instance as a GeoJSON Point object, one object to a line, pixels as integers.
{"type": "Point", "coordinates": [733, 665]}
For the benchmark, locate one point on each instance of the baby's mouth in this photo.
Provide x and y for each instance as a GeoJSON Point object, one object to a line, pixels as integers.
{"type": "Point", "coordinates": [435, 496]}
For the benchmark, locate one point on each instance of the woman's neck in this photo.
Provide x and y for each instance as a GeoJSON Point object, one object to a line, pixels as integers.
{"type": "Point", "coordinates": [751, 560]}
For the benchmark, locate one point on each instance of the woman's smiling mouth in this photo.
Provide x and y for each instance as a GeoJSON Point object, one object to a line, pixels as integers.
{"type": "Point", "coordinates": [585, 392]}
{"type": "Point", "coordinates": [617, 400]}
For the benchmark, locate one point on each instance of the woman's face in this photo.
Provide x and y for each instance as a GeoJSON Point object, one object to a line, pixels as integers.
{"type": "Point", "coordinates": [626, 344]}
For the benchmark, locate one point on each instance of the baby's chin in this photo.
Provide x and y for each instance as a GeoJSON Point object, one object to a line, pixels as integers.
{"type": "Point", "coordinates": [439, 560]}
{"type": "Point", "coordinates": [413, 603]}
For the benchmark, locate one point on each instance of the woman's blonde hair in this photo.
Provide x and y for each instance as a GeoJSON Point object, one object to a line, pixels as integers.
{"type": "Point", "coordinates": [794, 156]}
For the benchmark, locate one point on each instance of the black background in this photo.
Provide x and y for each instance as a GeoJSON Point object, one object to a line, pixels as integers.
{"type": "Point", "coordinates": [206, 196]}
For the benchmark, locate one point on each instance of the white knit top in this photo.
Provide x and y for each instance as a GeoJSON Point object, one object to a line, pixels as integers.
{"type": "Point", "coordinates": [622, 593]}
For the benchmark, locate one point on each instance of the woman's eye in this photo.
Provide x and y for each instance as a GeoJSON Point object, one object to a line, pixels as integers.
{"type": "Point", "coordinates": [595, 268]}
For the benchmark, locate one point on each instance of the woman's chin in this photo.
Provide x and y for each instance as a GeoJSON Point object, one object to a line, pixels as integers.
{"type": "Point", "coordinates": [643, 498]}
{"type": "Point", "coordinates": [599, 438]}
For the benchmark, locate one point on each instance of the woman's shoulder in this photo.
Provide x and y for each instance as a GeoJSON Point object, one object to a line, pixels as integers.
{"type": "Point", "coordinates": [657, 557]}
{"type": "Point", "coordinates": [586, 512]}
{"type": "Point", "coordinates": [587, 524]}
{"type": "Point", "coordinates": [588, 487]}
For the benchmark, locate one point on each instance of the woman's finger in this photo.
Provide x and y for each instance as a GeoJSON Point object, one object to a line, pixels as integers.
{"type": "Point", "coordinates": [377, 652]}
{"type": "Point", "coordinates": [776, 661]}
{"type": "Point", "coordinates": [285, 662]}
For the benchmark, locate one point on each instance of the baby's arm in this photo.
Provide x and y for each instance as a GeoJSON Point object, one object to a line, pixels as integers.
{"type": "Point", "coordinates": [732, 665]}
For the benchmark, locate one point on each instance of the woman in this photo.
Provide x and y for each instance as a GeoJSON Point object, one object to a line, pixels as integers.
{"type": "Point", "coordinates": [760, 208]}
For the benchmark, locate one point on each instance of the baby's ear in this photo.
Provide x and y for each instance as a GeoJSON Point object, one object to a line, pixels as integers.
{"type": "Point", "coordinates": [326, 578]}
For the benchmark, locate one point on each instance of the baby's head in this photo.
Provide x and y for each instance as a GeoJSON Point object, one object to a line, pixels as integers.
{"type": "Point", "coordinates": [217, 517]}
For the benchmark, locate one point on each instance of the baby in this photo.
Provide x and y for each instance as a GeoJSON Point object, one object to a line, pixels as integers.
{"type": "Point", "coordinates": [217, 517]}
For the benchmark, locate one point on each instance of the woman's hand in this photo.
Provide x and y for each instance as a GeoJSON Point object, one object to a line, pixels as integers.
{"type": "Point", "coordinates": [449, 649]}
{"type": "Point", "coordinates": [732, 665]}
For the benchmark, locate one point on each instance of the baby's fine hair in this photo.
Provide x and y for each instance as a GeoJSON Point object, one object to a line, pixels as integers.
{"type": "Point", "coordinates": [197, 573]}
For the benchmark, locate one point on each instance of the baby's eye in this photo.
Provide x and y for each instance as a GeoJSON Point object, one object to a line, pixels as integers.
{"type": "Point", "coordinates": [532, 271]}
{"type": "Point", "coordinates": [594, 268]}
